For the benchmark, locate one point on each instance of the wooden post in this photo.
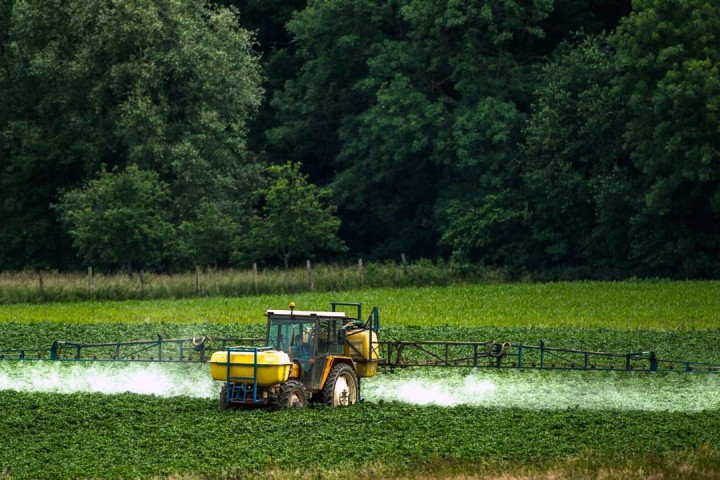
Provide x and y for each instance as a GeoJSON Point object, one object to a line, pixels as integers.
{"type": "Point", "coordinates": [255, 277]}
{"type": "Point", "coordinates": [361, 272]}
{"type": "Point", "coordinates": [41, 284]}
{"type": "Point", "coordinates": [403, 259]}
{"type": "Point", "coordinates": [311, 284]}
{"type": "Point", "coordinates": [197, 280]}
{"type": "Point", "coordinates": [142, 283]}
{"type": "Point", "coordinates": [90, 277]}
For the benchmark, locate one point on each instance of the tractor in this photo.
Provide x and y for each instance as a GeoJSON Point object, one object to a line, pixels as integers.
{"type": "Point", "coordinates": [308, 356]}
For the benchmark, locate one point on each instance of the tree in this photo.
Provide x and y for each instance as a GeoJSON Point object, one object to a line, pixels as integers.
{"type": "Point", "coordinates": [406, 106]}
{"type": "Point", "coordinates": [491, 231]}
{"type": "Point", "coordinates": [210, 237]}
{"type": "Point", "coordinates": [577, 176]}
{"type": "Point", "coordinates": [268, 19]}
{"type": "Point", "coordinates": [166, 85]}
{"type": "Point", "coordinates": [670, 57]}
{"type": "Point", "coordinates": [389, 183]}
{"type": "Point", "coordinates": [332, 41]}
{"type": "Point", "coordinates": [483, 65]}
{"type": "Point", "coordinates": [293, 218]}
{"type": "Point", "coordinates": [119, 219]}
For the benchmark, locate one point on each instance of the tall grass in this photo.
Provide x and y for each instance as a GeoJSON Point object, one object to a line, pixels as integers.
{"type": "Point", "coordinates": [35, 287]}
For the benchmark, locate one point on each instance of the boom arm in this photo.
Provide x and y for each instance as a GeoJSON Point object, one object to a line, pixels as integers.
{"type": "Point", "coordinates": [393, 354]}
{"type": "Point", "coordinates": [399, 354]}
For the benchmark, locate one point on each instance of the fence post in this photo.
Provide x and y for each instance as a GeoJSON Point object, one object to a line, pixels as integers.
{"type": "Point", "coordinates": [361, 271]}
{"type": "Point", "coordinates": [311, 284]}
{"type": "Point", "coordinates": [197, 279]}
{"type": "Point", "coordinates": [255, 277]}
{"type": "Point", "coordinates": [403, 260]}
{"type": "Point", "coordinates": [90, 277]}
{"type": "Point", "coordinates": [142, 283]}
{"type": "Point", "coordinates": [41, 284]}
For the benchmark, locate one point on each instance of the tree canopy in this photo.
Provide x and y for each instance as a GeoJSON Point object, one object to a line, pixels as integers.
{"type": "Point", "coordinates": [293, 218]}
{"type": "Point", "coordinates": [120, 219]}
{"type": "Point", "coordinates": [669, 54]}
{"type": "Point", "coordinates": [168, 86]}
{"type": "Point", "coordinates": [554, 137]}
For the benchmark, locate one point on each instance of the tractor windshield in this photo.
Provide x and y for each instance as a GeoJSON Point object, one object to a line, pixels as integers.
{"type": "Point", "coordinates": [298, 334]}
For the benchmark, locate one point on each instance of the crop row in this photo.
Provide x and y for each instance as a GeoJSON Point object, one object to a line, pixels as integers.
{"type": "Point", "coordinates": [659, 305]}
{"type": "Point", "coordinates": [92, 435]}
{"type": "Point", "coordinates": [533, 389]}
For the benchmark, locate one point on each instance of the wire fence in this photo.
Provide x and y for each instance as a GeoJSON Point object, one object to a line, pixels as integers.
{"type": "Point", "coordinates": [51, 286]}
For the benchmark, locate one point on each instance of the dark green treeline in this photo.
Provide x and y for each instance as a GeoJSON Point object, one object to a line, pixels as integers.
{"type": "Point", "coordinates": [568, 137]}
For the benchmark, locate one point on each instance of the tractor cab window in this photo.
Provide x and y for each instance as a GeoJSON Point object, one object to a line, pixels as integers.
{"type": "Point", "coordinates": [298, 335]}
{"type": "Point", "coordinates": [331, 336]}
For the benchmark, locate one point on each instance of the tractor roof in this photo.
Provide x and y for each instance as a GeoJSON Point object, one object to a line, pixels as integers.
{"type": "Point", "coordinates": [303, 313]}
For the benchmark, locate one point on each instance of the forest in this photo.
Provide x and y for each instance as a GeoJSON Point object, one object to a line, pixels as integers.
{"type": "Point", "coordinates": [574, 136]}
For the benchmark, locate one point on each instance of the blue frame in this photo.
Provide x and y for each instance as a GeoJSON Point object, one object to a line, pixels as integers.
{"type": "Point", "coordinates": [238, 392]}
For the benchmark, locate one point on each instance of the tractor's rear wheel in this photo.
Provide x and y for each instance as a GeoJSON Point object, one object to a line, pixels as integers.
{"type": "Point", "coordinates": [341, 387]}
{"type": "Point", "coordinates": [292, 395]}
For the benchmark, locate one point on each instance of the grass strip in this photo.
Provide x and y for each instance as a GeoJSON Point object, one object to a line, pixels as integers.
{"type": "Point", "coordinates": [649, 305]}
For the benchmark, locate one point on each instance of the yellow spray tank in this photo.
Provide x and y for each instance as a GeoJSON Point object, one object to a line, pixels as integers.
{"type": "Point", "coordinates": [273, 366]}
{"type": "Point", "coordinates": [361, 344]}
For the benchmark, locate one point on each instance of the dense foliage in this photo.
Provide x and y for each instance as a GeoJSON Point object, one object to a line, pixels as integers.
{"type": "Point", "coordinates": [167, 86]}
{"type": "Point", "coordinates": [293, 219]}
{"type": "Point", "coordinates": [119, 219]}
{"type": "Point", "coordinates": [568, 137]}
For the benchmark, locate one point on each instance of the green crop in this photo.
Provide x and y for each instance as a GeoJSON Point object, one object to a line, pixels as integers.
{"type": "Point", "coordinates": [648, 305]}
{"type": "Point", "coordinates": [129, 436]}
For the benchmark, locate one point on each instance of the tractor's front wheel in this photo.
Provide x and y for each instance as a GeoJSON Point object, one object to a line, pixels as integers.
{"type": "Point", "coordinates": [341, 387]}
{"type": "Point", "coordinates": [292, 395]}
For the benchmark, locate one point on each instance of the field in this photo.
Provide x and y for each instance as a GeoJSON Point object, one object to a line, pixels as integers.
{"type": "Point", "coordinates": [655, 305]}
{"type": "Point", "coordinates": [415, 423]}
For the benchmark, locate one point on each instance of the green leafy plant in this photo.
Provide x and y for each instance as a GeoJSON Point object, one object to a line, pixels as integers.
{"type": "Point", "coordinates": [645, 305]}
{"type": "Point", "coordinates": [131, 436]}
{"type": "Point", "coordinates": [293, 218]}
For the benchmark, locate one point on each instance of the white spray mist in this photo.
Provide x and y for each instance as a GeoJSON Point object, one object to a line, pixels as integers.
{"type": "Point", "coordinates": [166, 380]}
{"type": "Point", "coordinates": [487, 388]}
{"type": "Point", "coordinates": [549, 390]}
